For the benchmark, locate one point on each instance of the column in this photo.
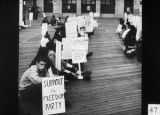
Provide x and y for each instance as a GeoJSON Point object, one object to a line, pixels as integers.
{"type": "Point", "coordinates": [119, 8]}
{"type": "Point", "coordinates": [60, 7]}
{"type": "Point", "coordinates": [20, 12]}
{"type": "Point", "coordinates": [78, 7]}
{"type": "Point", "coordinates": [98, 6]}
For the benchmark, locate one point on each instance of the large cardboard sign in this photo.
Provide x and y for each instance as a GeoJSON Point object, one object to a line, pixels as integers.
{"type": "Point", "coordinates": [53, 101]}
{"type": "Point", "coordinates": [44, 29]}
{"type": "Point", "coordinates": [79, 49]}
{"type": "Point", "coordinates": [71, 28]}
{"type": "Point", "coordinates": [89, 24]}
{"type": "Point", "coordinates": [58, 55]}
{"type": "Point", "coordinates": [30, 16]}
{"type": "Point", "coordinates": [66, 48]}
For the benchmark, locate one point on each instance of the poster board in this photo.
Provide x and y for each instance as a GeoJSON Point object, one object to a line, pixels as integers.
{"type": "Point", "coordinates": [89, 24]}
{"type": "Point", "coordinates": [58, 55]}
{"type": "Point", "coordinates": [79, 49]}
{"type": "Point", "coordinates": [44, 29]}
{"type": "Point", "coordinates": [66, 48]}
{"type": "Point", "coordinates": [53, 101]}
{"type": "Point", "coordinates": [30, 16]}
{"type": "Point", "coordinates": [71, 28]}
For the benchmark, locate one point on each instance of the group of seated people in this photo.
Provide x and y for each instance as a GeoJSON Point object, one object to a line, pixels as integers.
{"type": "Point", "coordinates": [43, 65]}
{"type": "Point", "coordinates": [127, 32]}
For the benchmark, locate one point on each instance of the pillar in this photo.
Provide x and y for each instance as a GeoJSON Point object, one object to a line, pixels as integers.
{"type": "Point", "coordinates": [98, 6]}
{"type": "Point", "coordinates": [78, 7]}
{"type": "Point", "coordinates": [119, 8]}
{"type": "Point", "coordinates": [20, 12]}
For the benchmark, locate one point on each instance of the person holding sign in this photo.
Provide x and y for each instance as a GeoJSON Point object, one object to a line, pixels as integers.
{"type": "Point", "coordinates": [82, 33]}
{"type": "Point", "coordinates": [69, 71]}
{"type": "Point", "coordinates": [30, 82]}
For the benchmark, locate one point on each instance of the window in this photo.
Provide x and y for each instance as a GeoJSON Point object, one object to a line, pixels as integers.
{"type": "Point", "coordinates": [69, 6]}
{"type": "Point", "coordinates": [88, 4]}
{"type": "Point", "coordinates": [107, 6]}
{"type": "Point", "coordinates": [48, 6]}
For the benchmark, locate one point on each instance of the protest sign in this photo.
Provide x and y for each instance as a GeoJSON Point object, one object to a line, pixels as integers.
{"type": "Point", "coordinates": [30, 16]}
{"type": "Point", "coordinates": [89, 24]}
{"type": "Point", "coordinates": [66, 48]}
{"type": "Point", "coordinates": [58, 55]}
{"type": "Point", "coordinates": [71, 28]}
{"type": "Point", "coordinates": [44, 29]}
{"type": "Point", "coordinates": [53, 101]}
{"type": "Point", "coordinates": [79, 49]}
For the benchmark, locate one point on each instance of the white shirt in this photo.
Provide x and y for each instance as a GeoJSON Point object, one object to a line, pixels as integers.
{"type": "Point", "coordinates": [44, 41]}
{"type": "Point", "coordinates": [125, 33]}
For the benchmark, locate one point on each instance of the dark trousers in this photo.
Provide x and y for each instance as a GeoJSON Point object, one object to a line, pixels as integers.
{"type": "Point", "coordinates": [32, 93]}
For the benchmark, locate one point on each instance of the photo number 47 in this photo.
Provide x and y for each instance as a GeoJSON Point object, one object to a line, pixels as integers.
{"type": "Point", "coordinates": [153, 109]}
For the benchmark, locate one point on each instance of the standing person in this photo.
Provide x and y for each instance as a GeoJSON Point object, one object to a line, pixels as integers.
{"type": "Point", "coordinates": [30, 82]}
{"type": "Point", "coordinates": [36, 12]}
{"type": "Point", "coordinates": [30, 16]}
{"type": "Point", "coordinates": [128, 16]}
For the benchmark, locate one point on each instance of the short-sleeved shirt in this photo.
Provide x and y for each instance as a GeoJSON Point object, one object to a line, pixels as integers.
{"type": "Point", "coordinates": [31, 76]}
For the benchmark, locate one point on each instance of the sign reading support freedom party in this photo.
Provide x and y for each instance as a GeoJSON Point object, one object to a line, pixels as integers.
{"type": "Point", "coordinates": [53, 101]}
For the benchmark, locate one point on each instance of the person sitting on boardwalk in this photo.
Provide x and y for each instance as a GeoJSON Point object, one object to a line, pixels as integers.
{"type": "Point", "coordinates": [130, 40]}
{"type": "Point", "coordinates": [68, 70]}
{"type": "Point", "coordinates": [121, 27]}
{"type": "Point", "coordinates": [45, 39]}
{"type": "Point", "coordinates": [53, 21]}
{"type": "Point", "coordinates": [30, 82]}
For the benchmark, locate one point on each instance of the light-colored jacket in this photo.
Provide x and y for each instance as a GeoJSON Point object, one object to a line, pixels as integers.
{"type": "Point", "coordinates": [31, 76]}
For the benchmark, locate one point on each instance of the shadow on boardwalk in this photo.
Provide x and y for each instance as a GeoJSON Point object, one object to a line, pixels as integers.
{"type": "Point", "coordinates": [115, 87]}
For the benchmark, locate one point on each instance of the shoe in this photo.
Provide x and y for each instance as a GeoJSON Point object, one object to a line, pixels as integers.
{"type": "Point", "coordinates": [87, 75]}
{"type": "Point", "coordinates": [89, 54]}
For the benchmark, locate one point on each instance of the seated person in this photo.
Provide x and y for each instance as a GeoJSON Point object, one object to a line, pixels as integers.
{"type": "Point", "coordinates": [69, 71]}
{"type": "Point", "coordinates": [45, 39]}
{"type": "Point", "coordinates": [46, 44]}
{"type": "Point", "coordinates": [82, 33]}
{"type": "Point", "coordinates": [53, 21]}
{"type": "Point", "coordinates": [30, 82]}
{"type": "Point", "coordinates": [120, 27]}
{"type": "Point", "coordinates": [130, 40]}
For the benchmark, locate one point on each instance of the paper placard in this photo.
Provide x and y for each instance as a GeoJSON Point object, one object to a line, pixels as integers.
{"type": "Point", "coordinates": [79, 49]}
{"type": "Point", "coordinates": [66, 48]}
{"type": "Point", "coordinates": [30, 16]}
{"type": "Point", "coordinates": [53, 101]}
{"type": "Point", "coordinates": [89, 25]}
{"type": "Point", "coordinates": [58, 55]}
{"type": "Point", "coordinates": [71, 29]}
{"type": "Point", "coordinates": [44, 29]}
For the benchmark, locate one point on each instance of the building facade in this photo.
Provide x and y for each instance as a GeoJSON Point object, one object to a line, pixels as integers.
{"type": "Point", "coordinates": [106, 8]}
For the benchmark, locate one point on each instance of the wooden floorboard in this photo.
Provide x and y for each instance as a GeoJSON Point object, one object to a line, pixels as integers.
{"type": "Point", "coordinates": [115, 88]}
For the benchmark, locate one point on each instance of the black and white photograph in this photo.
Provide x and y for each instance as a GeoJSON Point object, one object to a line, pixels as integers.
{"type": "Point", "coordinates": [99, 75]}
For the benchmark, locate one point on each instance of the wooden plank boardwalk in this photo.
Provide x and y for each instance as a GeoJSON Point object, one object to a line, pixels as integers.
{"type": "Point", "coordinates": [115, 88]}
